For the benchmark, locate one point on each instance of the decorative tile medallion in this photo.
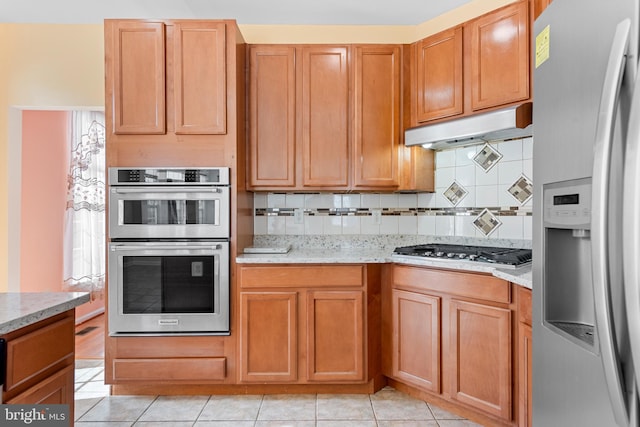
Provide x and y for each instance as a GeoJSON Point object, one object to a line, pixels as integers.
{"type": "Point", "coordinates": [522, 189]}
{"type": "Point", "coordinates": [455, 193]}
{"type": "Point", "coordinates": [486, 222]}
{"type": "Point", "coordinates": [487, 157]}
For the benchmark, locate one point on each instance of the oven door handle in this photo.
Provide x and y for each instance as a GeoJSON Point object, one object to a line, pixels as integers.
{"type": "Point", "coordinates": [115, 248]}
{"type": "Point", "coordinates": [151, 190]}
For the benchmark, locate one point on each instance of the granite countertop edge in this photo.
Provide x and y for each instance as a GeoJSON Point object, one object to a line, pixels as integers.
{"type": "Point", "coordinates": [20, 309]}
{"type": "Point", "coordinates": [520, 276]}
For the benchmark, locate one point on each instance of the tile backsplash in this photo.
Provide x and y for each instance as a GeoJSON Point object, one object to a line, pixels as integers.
{"type": "Point", "coordinates": [481, 192]}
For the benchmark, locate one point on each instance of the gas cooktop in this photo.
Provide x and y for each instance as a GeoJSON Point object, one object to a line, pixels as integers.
{"type": "Point", "coordinates": [502, 257]}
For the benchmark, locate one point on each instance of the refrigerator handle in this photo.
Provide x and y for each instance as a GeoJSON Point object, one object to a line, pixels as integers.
{"type": "Point", "coordinates": [631, 227]}
{"type": "Point", "coordinates": [599, 219]}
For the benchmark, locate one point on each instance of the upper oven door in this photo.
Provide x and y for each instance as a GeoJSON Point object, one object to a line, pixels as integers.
{"type": "Point", "coordinates": [147, 212]}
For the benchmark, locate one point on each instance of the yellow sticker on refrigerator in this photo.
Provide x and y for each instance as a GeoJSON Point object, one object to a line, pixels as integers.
{"type": "Point", "coordinates": [542, 46]}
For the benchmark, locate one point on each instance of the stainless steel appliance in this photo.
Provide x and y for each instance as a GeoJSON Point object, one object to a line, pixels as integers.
{"type": "Point", "coordinates": [169, 203]}
{"type": "Point", "coordinates": [169, 251]}
{"type": "Point", "coordinates": [586, 54]}
{"type": "Point", "coordinates": [495, 256]}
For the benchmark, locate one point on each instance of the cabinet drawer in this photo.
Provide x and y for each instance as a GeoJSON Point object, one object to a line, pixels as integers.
{"type": "Point", "coordinates": [179, 369]}
{"type": "Point", "coordinates": [25, 358]}
{"type": "Point", "coordinates": [464, 284]}
{"type": "Point", "coordinates": [168, 347]}
{"type": "Point", "coordinates": [304, 276]}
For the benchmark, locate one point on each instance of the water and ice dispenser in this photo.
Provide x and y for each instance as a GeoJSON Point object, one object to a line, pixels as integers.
{"type": "Point", "coordinates": [568, 287]}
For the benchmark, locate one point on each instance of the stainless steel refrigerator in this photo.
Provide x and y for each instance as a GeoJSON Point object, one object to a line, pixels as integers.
{"type": "Point", "coordinates": [584, 231]}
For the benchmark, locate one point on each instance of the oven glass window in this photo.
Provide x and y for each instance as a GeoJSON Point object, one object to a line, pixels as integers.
{"type": "Point", "coordinates": [168, 284]}
{"type": "Point", "coordinates": [168, 212]}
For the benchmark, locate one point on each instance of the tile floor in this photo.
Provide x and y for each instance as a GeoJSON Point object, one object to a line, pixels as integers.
{"type": "Point", "coordinates": [388, 407]}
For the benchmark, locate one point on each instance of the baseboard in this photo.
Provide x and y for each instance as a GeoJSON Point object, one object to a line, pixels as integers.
{"type": "Point", "coordinates": [89, 316]}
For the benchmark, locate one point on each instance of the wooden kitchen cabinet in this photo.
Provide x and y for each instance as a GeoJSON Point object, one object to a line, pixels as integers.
{"type": "Point", "coordinates": [376, 125]}
{"type": "Point", "coordinates": [480, 355]}
{"type": "Point", "coordinates": [166, 76]}
{"type": "Point", "coordinates": [298, 117]}
{"type": "Point", "coordinates": [272, 116]}
{"type": "Point", "coordinates": [497, 57]}
{"type": "Point", "coordinates": [416, 339]}
{"type": "Point", "coordinates": [326, 117]}
{"type": "Point", "coordinates": [481, 65]}
{"type": "Point", "coordinates": [40, 362]}
{"type": "Point", "coordinates": [525, 358]}
{"type": "Point", "coordinates": [316, 330]}
{"type": "Point", "coordinates": [439, 91]}
{"type": "Point", "coordinates": [450, 336]}
{"type": "Point", "coordinates": [269, 341]}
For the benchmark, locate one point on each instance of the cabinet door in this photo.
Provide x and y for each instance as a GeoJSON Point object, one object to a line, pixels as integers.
{"type": "Point", "coordinates": [480, 357]}
{"type": "Point", "coordinates": [376, 115]}
{"type": "Point", "coordinates": [268, 339]}
{"type": "Point", "coordinates": [137, 83]}
{"type": "Point", "coordinates": [524, 374]}
{"type": "Point", "coordinates": [272, 116]}
{"type": "Point", "coordinates": [324, 115]}
{"type": "Point", "coordinates": [56, 390]}
{"type": "Point", "coordinates": [416, 339]}
{"type": "Point", "coordinates": [335, 336]}
{"type": "Point", "coordinates": [200, 85]}
{"type": "Point", "coordinates": [499, 56]}
{"type": "Point", "coordinates": [417, 170]}
{"type": "Point", "coordinates": [439, 75]}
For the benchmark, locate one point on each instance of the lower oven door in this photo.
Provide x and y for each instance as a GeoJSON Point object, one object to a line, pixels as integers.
{"type": "Point", "coordinates": [168, 287]}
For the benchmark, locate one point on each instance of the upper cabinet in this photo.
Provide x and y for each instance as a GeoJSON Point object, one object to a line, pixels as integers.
{"type": "Point", "coordinates": [137, 80]}
{"type": "Point", "coordinates": [376, 115]}
{"type": "Point", "coordinates": [439, 75]}
{"type": "Point", "coordinates": [325, 117]}
{"type": "Point", "coordinates": [497, 56]}
{"type": "Point", "coordinates": [166, 77]}
{"type": "Point", "coordinates": [480, 65]}
{"type": "Point", "coordinates": [298, 117]}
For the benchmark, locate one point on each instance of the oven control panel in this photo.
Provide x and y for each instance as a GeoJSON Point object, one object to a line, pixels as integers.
{"type": "Point", "coordinates": [169, 176]}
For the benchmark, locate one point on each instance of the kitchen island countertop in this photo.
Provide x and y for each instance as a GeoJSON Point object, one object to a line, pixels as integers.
{"type": "Point", "coordinates": [20, 309]}
{"type": "Point", "coordinates": [520, 276]}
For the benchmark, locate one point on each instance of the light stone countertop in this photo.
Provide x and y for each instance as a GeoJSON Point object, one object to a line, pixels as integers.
{"type": "Point", "coordinates": [520, 276]}
{"type": "Point", "coordinates": [20, 309]}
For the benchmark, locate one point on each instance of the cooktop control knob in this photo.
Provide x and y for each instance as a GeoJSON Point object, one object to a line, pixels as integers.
{"type": "Point", "coordinates": [439, 253]}
{"type": "Point", "coordinates": [450, 255]}
{"type": "Point", "coordinates": [473, 257]}
{"type": "Point", "coordinates": [462, 256]}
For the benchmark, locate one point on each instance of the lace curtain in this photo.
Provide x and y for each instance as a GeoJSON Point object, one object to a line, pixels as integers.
{"type": "Point", "coordinates": [84, 228]}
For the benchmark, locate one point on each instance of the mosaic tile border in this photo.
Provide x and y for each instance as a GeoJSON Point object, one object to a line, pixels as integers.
{"type": "Point", "coordinates": [497, 211]}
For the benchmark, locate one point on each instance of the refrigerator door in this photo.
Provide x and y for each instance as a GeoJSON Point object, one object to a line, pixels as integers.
{"type": "Point", "coordinates": [570, 385]}
{"type": "Point", "coordinates": [631, 224]}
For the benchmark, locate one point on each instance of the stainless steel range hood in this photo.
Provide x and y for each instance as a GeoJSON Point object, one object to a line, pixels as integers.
{"type": "Point", "coordinates": [513, 122]}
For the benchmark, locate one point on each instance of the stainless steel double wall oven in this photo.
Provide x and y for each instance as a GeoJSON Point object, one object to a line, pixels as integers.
{"type": "Point", "coordinates": [169, 251]}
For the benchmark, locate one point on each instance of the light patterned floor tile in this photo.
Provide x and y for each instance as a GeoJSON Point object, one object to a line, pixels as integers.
{"type": "Point", "coordinates": [231, 408]}
{"type": "Point", "coordinates": [346, 423]}
{"type": "Point", "coordinates": [285, 423]}
{"type": "Point", "coordinates": [119, 408]}
{"type": "Point", "coordinates": [389, 404]}
{"type": "Point", "coordinates": [175, 408]}
{"type": "Point", "coordinates": [344, 407]}
{"type": "Point", "coordinates": [441, 414]}
{"type": "Point", "coordinates": [224, 424]}
{"type": "Point", "coordinates": [403, 423]}
{"type": "Point", "coordinates": [285, 407]}
{"type": "Point", "coordinates": [458, 423]}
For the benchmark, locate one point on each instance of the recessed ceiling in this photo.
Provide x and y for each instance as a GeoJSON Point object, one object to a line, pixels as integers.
{"type": "Point", "coordinates": [264, 12]}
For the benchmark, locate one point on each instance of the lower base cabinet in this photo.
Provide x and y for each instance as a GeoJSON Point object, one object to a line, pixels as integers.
{"type": "Point", "coordinates": [451, 336]}
{"type": "Point", "coordinates": [304, 325]}
{"type": "Point", "coordinates": [525, 360]}
{"type": "Point", "coordinates": [40, 362]}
